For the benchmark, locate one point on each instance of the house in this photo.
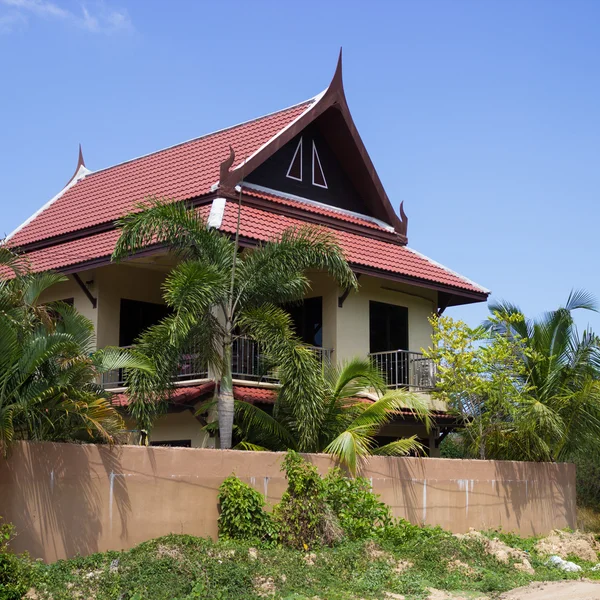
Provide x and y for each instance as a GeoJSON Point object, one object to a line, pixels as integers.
{"type": "Point", "coordinates": [303, 164]}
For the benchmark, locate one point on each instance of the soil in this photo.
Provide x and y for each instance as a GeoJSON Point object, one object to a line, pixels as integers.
{"type": "Point", "coordinates": [565, 544]}
{"type": "Point", "coordinates": [556, 590]}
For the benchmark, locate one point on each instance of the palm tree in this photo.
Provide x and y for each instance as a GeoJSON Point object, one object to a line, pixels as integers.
{"type": "Point", "coordinates": [48, 368]}
{"type": "Point", "coordinates": [218, 293]}
{"type": "Point", "coordinates": [346, 419]}
{"type": "Point", "coordinates": [561, 410]}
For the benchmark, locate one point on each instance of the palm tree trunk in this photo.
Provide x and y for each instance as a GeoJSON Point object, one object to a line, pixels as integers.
{"type": "Point", "coordinates": [225, 399]}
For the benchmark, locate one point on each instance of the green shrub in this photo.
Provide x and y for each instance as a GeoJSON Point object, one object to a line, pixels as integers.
{"type": "Point", "coordinates": [358, 509]}
{"type": "Point", "coordinates": [304, 518]}
{"type": "Point", "coordinates": [15, 571]}
{"type": "Point", "coordinates": [242, 513]}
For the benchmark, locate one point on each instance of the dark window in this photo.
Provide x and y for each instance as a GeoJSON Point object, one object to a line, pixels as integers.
{"type": "Point", "coordinates": [308, 320]}
{"type": "Point", "coordinates": [174, 443]}
{"type": "Point", "coordinates": [136, 317]}
{"type": "Point", "coordinates": [388, 327]}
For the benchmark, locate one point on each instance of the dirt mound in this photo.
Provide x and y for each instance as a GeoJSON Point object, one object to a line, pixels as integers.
{"type": "Point", "coordinates": [573, 590]}
{"type": "Point", "coordinates": [564, 544]}
{"type": "Point", "coordinates": [500, 550]}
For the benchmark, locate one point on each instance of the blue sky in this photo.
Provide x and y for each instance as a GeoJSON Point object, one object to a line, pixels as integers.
{"type": "Point", "coordinates": [483, 116]}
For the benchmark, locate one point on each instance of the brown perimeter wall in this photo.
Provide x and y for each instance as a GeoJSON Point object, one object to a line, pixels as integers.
{"type": "Point", "coordinates": [67, 499]}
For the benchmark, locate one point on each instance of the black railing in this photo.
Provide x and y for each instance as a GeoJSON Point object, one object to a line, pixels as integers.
{"type": "Point", "coordinates": [404, 369]}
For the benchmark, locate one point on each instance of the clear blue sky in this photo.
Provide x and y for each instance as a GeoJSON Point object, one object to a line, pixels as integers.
{"type": "Point", "coordinates": [483, 116]}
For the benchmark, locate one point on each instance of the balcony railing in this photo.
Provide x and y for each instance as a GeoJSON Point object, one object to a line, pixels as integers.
{"type": "Point", "coordinates": [404, 369]}
{"type": "Point", "coordinates": [249, 363]}
{"type": "Point", "coordinates": [189, 367]}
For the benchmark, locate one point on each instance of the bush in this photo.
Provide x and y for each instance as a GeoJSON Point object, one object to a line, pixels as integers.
{"type": "Point", "coordinates": [15, 571]}
{"type": "Point", "coordinates": [304, 518]}
{"type": "Point", "coordinates": [358, 509]}
{"type": "Point", "coordinates": [242, 513]}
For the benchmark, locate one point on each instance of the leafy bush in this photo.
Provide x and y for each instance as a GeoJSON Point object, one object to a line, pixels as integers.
{"type": "Point", "coordinates": [242, 513]}
{"type": "Point", "coordinates": [15, 572]}
{"type": "Point", "coordinates": [358, 509]}
{"type": "Point", "coordinates": [304, 518]}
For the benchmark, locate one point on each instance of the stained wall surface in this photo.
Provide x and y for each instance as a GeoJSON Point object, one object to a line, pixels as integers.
{"type": "Point", "coordinates": [67, 499]}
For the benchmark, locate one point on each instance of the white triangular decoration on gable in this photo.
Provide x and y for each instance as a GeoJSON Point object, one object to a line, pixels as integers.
{"type": "Point", "coordinates": [318, 177]}
{"type": "Point", "coordinates": [295, 168]}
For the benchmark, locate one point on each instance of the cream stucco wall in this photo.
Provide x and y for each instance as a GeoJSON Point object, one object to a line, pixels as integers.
{"type": "Point", "coordinates": [70, 289]}
{"type": "Point", "coordinates": [352, 320]}
{"type": "Point", "coordinates": [345, 329]}
{"type": "Point", "coordinates": [123, 281]}
{"type": "Point", "coordinates": [181, 426]}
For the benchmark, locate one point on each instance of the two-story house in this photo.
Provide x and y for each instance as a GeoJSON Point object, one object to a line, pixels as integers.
{"type": "Point", "coordinates": [303, 164]}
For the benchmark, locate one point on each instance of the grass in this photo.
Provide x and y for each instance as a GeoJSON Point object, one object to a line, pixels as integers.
{"type": "Point", "coordinates": [184, 567]}
{"type": "Point", "coordinates": [588, 519]}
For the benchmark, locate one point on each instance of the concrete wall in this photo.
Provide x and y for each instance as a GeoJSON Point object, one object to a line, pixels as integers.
{"type": "Point", "coordinates": [67, 499]}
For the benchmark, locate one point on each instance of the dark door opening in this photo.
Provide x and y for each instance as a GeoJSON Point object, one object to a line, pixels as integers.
{"type": "Point", "coordinates": [388, 327]}
{"type": "Point", "coordinates": [388, 331]}
{"type": "Point", "coordinates": [136, 317]}
{"type": "Point", "coordinates": [307, 317]}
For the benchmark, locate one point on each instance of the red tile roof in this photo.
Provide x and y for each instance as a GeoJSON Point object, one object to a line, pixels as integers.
{"type": "Point", "coordinates": [313, 208]}
{"type": "Point", "coordinates": [262, 225]}
{"type": "Point", "coordinates": [180, 395]}
{"type": "Point", "coordinates": [254, 394]}
{"type": "Point", "coordinates": [181, 172]}
{"type": "Point", "coordinates": [359, 250]}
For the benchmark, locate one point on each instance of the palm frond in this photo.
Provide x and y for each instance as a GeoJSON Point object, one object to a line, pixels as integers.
{"type": "Point", "coordinates": [402, 447]}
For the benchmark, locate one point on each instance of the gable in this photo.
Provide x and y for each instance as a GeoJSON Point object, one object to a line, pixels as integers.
{"type": "Point", "coordinates": [308, 167]}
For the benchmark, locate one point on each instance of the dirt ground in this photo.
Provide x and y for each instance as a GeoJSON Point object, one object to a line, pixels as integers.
{"type": "Point", "coordinates": [556, 590]}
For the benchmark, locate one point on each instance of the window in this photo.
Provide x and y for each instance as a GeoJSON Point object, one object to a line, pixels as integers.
{"type": "Point", "coordinates": [295, 168]}
{"type": "Point", "coordinates": [136, 317]}
{"type": "Point", "coordinates": [308, 320]}
{"type": "Point", "coordinates": [318, 177]}
{"type": "Point", "coordinates": [388, 327]}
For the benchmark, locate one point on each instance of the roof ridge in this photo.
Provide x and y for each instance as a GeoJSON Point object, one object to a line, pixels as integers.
{"type": "Point", "coordinates": [206, 135]}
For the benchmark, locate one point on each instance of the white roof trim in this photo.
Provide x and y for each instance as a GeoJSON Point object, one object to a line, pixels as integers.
{"type": "Point", "coordinates": [437, 264]}
{"type": "Point", "coordinates": [79, 175]}
{"type": "Point", "coordinates": [343, 211]}
{"type": "Point", "coordinates": [215, 217]}
{"type": "Point", "coordinates": [313, 102]}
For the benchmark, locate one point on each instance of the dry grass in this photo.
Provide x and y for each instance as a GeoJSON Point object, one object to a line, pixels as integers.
{"type": "Point", "coordinates": [588, 519]}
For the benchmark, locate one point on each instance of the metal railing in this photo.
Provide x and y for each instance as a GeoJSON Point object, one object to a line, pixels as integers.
{"type": "Point", "coordinates": [250, 363]}
{"type": "Point", "coordinates": [405, 369]}
{"type": "Point", "coordinates": [189, 367]}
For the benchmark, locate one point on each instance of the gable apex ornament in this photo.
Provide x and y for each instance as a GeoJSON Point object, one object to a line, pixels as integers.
{"type": "Point", "coordinates": [80, 170]}
{"type": "Point", "coordinates": [226, 186]}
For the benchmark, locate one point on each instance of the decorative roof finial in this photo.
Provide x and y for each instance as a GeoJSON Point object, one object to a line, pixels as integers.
{"type": "Point", "coordinates": [403, 220]}
{"type": "Point", "coordinates": [336, 82]}
{"type": "Point", "coordinates": [80, 161]}
{"type": "Point", "coordinates": [80, 170]}
{"type": "Point", "coordinates": [225, 186]}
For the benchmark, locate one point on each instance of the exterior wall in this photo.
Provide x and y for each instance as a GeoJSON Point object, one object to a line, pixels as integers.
{"type": "Point", "coordinates": [70, 289]}
{"type": "Point", "coordinates": [181, 426]}
{"type": "Point", "coordinates": [352, 325]}
{"type": "Point", "coordinates": [123, 281]}
{"type": "Point", "coordinates": [68, 499]}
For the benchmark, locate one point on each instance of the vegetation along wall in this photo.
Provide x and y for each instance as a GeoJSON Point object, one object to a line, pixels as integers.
{"type": "Point", "coordinates": [67, 499]}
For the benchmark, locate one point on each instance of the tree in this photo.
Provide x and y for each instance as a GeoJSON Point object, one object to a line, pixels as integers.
{"type": "Point", "coordinates": [528, 389]}
{"type": "Point", "coordinates": [218, 293]}
{"type": "Point", "coordinates": [48, 368]}
{"type": "Point", "coordinates": [563, 368]}
{"type": "Point", "coordinates": [344, 421]}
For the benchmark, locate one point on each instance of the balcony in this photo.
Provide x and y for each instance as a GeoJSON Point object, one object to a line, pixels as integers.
{"type": "Point", "coordinates": [249, 363]}
{"type": "Point", "coordinates": [190, 367]}
{"type": "Point", "coordinates": [404, 369]}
